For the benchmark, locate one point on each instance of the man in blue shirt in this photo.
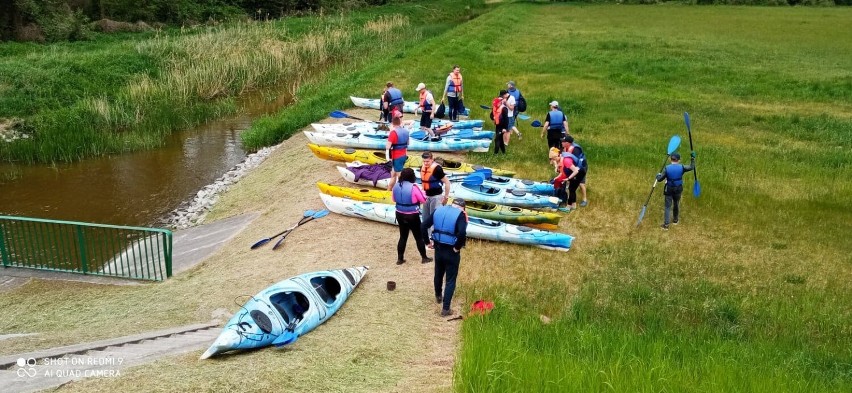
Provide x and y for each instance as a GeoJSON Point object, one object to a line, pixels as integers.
{"type": "Point", "coordinates": [673, 175]}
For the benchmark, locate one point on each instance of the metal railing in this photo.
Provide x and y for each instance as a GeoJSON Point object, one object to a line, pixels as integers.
{"type": "Point", "coordinates": [79, 247]}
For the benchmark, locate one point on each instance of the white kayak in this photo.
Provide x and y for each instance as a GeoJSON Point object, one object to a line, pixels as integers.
{"type": "Point", "coordinates": [283, 312]}
{"type": "Point", "coordinates": [375, 103]}
{"type": "Point", "coordinates": [477, 228]}
{"type": "Point", "coordinates": [378, 142]}
{"type": "Point", "coordinates": [365, 128]}
{"type": "Point", "coordinates": [481, 193]}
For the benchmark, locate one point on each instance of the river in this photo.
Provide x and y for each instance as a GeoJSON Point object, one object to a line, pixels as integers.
{"type": "Point", "coordinates": [136, 189]}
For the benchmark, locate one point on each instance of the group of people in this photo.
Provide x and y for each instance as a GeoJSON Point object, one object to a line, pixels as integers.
{"type": "Point", "coordinates": [504, 112]}
{"type": "Point", "coordinates": [392, 100]}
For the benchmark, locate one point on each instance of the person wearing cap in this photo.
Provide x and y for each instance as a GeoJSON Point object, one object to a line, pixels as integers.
{"type": "Point", "coordinates": [454, 91]}
{"type": "Point", "coordinates": [571, 170]}
{"type": "Point", "coordinates": [556, 125]}
{"type": "Point", "coordinates": [569, 146]}
{"type": "Point", "coordinates": [449, 237]}
{"type": "Point", "coordinates": [408, 198]}
{"type": "Point", "coordinates": [392, 100]}
{"type": "Point", "coordinates": [673, 175]}
{"type": "Point", "coordinates": [437, 187]}
{"type": "Point", "coordinates": [396, 148]}
{"type": "Point", "coordinates": [512, 103]}
{"type": "Point", "coordinates": [427, 104]}
{"type": "Point", "coordinates": [500, 115]}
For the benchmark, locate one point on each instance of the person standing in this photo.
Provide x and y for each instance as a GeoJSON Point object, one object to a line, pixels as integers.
{"type": "Point", "coordinates": [408, 198]}
{"type": "Point", "coordinates": [396, 148]}
{"type": "Point", "coordinates": [437, 187]}
{"type": "Point", "coordinates": [454, 91]}
{"type": "Point", "coordinates": [500, 115]}
{"type": "Point", "coordinates": [569, 146]}
{"type": "Point", "coordinates": [426, 107]}
{"type": "Point", "coordinates": [673, 175]}
{"type": "Point", "coordinates": [392, 99]}
{"type": "Point", "coordinates": [556, 125]}
{"type": "Point", "coordinates": [449, 236]}
{"type": "Point", "coordinates": [571, 171]}
{"type": "Point", "coordinates": [513, 103]}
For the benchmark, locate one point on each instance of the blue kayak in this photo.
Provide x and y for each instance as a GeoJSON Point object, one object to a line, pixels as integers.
{"type": "Point", "coordinates": [375, 103]}
{"type": "Point", "coordinates": [378, 142]}
{"type": "Point", "coordinates": [282, 313]}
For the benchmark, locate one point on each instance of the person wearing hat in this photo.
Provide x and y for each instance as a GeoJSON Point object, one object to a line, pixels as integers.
{"type": "Point", "coordinates": [426, 108]}
{"type": "Point", "coordinates": [392, 100]}
{"type": "Point", "coordinates": [449, 236]}
{"type": "Point", "coordinates": [673, 175]}
{"type": "Point", "coordinates": [513, 102]}
{"type": "Point", "coordinates": [556, 125]}
{"type": "Point", "coordinates": [437, 187]}
{"type": "Point", "coordinates": [569, 146]}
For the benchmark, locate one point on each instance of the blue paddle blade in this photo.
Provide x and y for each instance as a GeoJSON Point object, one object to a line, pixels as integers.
{"type": "Point", "coordinates": [696, 189]}
{"type": "Point", "coordinates": [536, 123]}
{"type": "Point", "coordinates": [485, 172]}
{"type": "Point", "coordinates": [686, 120]}
{"type": "Point", "coordinates": [320, 214]}
{"type": "Point", "coordinates": [474, 179]}
{"type": "Point", "coordinates": [417, 135]}
{"type": "Point", "coordinates": [309, 213]}
{"type": "Point", "coordinates": [523, 116]}
{"type": "Point", "coordinates": [641, 215]}
{"type": "Point", "coordinates": [338, 115]}
{"type": "Point", "coordinates": [674, 143]}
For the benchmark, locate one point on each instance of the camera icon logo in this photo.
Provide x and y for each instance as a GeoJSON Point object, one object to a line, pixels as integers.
{"type": "Point", "coordinates": [26, 367]}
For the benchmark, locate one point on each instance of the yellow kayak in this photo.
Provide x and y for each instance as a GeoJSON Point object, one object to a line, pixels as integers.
{"type": "Point", "coordinates": [491, 211]}
{"type": "Point", "coordinates": [377, 157]}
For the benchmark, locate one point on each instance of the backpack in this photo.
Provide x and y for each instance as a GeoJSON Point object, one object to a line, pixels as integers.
{"type": "Point", "coordinates": [440, 112]}
{"type": "Point", "coordinates": [522, 104]}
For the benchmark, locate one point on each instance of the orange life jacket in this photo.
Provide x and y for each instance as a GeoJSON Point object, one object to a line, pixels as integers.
{"type": "Point", "coordinates": [496, 107]}
{"type": "Point", "coordinates": [457, 82]}
{"type": "Point", "coordinates": [426, 176]}
{"type": "Point", "coordinates": [423, 102]}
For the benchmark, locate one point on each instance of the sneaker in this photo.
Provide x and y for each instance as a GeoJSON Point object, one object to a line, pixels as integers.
{"type": "Point", "coordinates": [675, 222]}
{"type": "Point", "coordinates": [400, 261]}
{"type": "Point", "coordinates": [445, 313]}
{"type": "Point", "coordinates": [439, 299]}
{"type": "Point", "coordinates": [665, 227]}
{"type": "Point", "coordinates": [564, 209]}
{"type": "Point", "coordinates": [426, 260]}
{"type": "Point", "coordinates": [586, 203]}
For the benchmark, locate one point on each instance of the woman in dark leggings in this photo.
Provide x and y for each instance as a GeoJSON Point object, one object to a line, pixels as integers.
{"type": "Point", "coordinates": [408, 197]}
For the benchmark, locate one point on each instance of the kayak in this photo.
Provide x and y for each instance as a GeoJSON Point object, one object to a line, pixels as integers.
{"type": "Point", "coordinates": [377, 157]}
{"type": "Point", "coordinates": [282, 313]}
{"type": "Point", "coordinates": [469, 123]}
{"type": "Point", "coordinates": [481, 193]}
{"type": "Point", "coordinates": [415, 133]}
{"type": "Point", "coordinates": [477, 228]}
{"type": "Point", "coordinates": [379, 141]}
{"type": "Point", "coordinates": [375, 103]}
{"type": "Point", "coordinates": [491, 211]}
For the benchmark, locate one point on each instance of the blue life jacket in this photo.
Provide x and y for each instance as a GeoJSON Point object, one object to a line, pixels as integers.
{"type": "Point", "coordinates": [515, 93]}
{"type": "Point", "coordinates": [402, 139]}
{"type": "Point", "coordinates": [402, 195]}
{"type": "Point", "coordinates": [578, 151]}
{"type": "Point", "coordinates": [556, 118]}
{"type": "Point", "coordinates": [577, 163]}
{"type": "Point", "coordinates": [395, 96]}
{"type": "Point", "coordinates": [445, 219]}
{"type": "Point", "coordinates": [674, 174]}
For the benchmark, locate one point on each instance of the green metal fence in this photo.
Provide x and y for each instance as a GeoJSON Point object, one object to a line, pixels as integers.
{"type": "Point", "coordinates": [78, 247]}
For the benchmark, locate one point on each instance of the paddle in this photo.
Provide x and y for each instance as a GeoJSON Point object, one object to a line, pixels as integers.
{"type": "Point", "coordinates": [486, 173]}
{"type": "Point", "coordinates": [486, 107]}
{"type": "Point", "coordinates": [674, 143]}
{"type": "Point", "coordinates": [462, 133]}
{"type": "Point", "coordinates": [261, 242]}
{"type": "Point", "coordinates": [474, 179]}
{"type": "Point", "coordinates": [320, 214]}
{"type": "Point", "coordinates": [344, 115]}
{"type": "Point", "coordinates": [696, 187]}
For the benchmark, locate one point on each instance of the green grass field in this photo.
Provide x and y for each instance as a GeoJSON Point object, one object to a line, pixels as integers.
{"type": "Point", "coordinates": [749, 293]}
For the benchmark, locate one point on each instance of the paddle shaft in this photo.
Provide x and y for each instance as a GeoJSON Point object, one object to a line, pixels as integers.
{"type": "Point", "coordinates": [692, 150]}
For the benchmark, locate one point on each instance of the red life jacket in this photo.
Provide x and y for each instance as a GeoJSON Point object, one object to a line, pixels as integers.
{"type": "Point", "coordinates": [496, 107]}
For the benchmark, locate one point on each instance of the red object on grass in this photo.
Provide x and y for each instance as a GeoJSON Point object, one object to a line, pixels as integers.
{"type": "Point", "coordinates": [481, 307]}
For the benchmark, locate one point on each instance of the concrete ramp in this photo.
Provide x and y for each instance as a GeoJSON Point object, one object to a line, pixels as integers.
{"type": "Point", "coordinates": [193, 245]}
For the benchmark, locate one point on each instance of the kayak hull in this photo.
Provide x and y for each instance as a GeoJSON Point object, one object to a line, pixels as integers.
{"type": "Point", "coordinates": [375, 103]}
{"type": "Point", "coordinates": [366, 129]}
{"type": "Point", "coordinates": [491, 211]}
{"type": "Point", "coordinates": [283, 312]}
{"type": "Point", "coordinates": [478, 228]}
{"type": "Point", "coordinates": [378, 142]}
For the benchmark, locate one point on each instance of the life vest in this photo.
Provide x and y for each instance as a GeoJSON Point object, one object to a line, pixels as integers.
{"type": "Point", "coordinates": [402, 195]}
{"type": "Point", "coordinates": [515, 93]}
{"type": "Point", "coordinates": [401, 139]}
{"type": "Point", "coordinates": [674, 174]}
{"type": "Point", "coordinates": [426, 177]}
{"type": "Point", "coordinates": [573, 149]}
{"type": "Point", "coordinates": [395, 96]}
{"type": "Point", "coordinates": [445, 219]}
{"type": "Point", "coordinates": [425, 104]}
{"type": "Point", "coordinates": [456, 83]}
{"type": "Point", "coordinates": [556, 119]}
{"type": "Point", "coordinates": [496, 107]}
{"type": "Point", "coordinates": [566, 169]}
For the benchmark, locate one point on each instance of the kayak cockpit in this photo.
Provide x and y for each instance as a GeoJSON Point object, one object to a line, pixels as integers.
{"type": "Point", "coordinates": [327, 287]}
{"type": "Point", "coordinates": [291, 305]}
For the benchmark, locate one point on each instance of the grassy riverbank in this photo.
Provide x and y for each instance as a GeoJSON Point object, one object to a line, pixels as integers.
{"type": "Point", "coordinates": [748, 293]}
{"type": "Point", "coordinates": [125, 92]}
